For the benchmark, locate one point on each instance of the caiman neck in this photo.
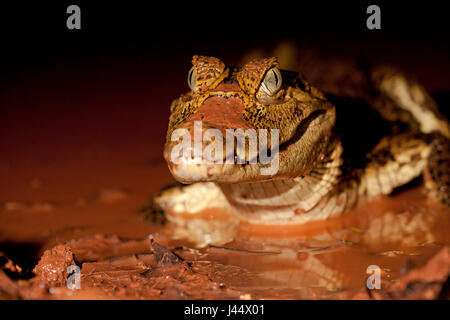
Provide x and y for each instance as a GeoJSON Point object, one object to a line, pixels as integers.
{"type": "Point", "coordinates": [287, 200]}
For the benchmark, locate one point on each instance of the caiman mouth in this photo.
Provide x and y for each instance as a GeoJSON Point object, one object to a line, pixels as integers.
{"type": "Point", "coordinates": [230, 167]}
{"type": "Point", "coordinates": [301, 129]}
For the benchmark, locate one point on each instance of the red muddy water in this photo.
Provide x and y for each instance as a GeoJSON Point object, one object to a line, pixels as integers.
{"type": "Point", "coordinates": [82, 152]}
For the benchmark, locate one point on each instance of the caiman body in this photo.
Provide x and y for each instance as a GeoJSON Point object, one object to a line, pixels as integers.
{"type": "Point", "coordinates": [329, 158]}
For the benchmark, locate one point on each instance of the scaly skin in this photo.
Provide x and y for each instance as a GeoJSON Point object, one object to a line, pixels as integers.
{"type": "Point", "coordinates": [319, 175]}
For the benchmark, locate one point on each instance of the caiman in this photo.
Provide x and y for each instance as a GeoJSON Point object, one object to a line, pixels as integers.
{"type": "Point", "coordinates": [334, 152]}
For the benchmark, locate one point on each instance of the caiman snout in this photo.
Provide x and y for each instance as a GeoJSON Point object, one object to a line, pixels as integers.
{"type": "Point", "coordinates": [196, 150]}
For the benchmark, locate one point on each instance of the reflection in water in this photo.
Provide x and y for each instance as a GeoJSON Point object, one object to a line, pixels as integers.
{"type": "Point", "coordinates": [327, 259]}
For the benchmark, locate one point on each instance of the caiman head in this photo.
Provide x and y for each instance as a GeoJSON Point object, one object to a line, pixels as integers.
{"type": "Point", "coordinates": [279, 111]}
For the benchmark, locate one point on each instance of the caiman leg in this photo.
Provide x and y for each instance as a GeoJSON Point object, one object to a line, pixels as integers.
{"type": "Point", "coordinates": [400, 98]}
{"type": "Point", "coordinates": [437, 174]}
{"type": "Point", "coordinates": [395, 161]}
{"type": "Point", "coordinates": [189, 199]}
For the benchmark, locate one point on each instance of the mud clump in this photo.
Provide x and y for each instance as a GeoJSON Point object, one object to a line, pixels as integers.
{"type": "Point", "coordinates": [52, 267]}
{"type": "Point", "coordinates": [115, 268]}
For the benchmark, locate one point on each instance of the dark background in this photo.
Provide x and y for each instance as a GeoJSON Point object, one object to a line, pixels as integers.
{"type": "Point", "coordinates": [34, 34]}
{"type": "Point", "coordinates": [119, 73]}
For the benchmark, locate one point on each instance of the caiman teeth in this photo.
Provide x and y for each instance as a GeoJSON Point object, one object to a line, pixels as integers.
{"type": "Point", "coordinates": [245, 163]}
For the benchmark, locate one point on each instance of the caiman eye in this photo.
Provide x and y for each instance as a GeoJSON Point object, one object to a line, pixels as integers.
{"type": "Point", "coordinates": [191, 79]}
{"type": "Point", "coordinates": [271, 82]}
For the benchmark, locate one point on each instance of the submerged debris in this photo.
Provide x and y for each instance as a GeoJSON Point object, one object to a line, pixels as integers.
{"type": "Point", "coordinates": [163, 256]}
